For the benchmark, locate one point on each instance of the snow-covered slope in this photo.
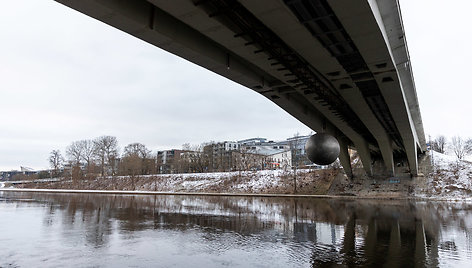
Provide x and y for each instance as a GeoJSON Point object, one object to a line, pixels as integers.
{"type": "Point", "coordinates": [450, 177]}
{"type": "Point", "coordinates": [263, 181]}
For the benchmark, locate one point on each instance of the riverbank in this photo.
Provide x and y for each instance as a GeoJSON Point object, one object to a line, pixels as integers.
{"type": "Point", "coordinates": [313, 182]}
{"type": "Point", "coordinates": [446, 179]}
{"type": "Point", "coordinates": [169, 193]}
{"type": "Point", "coordinates": [148, 193]}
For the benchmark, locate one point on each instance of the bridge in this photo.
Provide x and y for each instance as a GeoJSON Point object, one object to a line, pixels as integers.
{"type": "Point", "coordinates": [339, 66]}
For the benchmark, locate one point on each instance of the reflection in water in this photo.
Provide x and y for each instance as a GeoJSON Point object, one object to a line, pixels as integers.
{"type": "Point", "coordinates": [39, 229]}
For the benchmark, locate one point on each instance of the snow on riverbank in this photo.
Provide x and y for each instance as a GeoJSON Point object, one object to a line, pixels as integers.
{"type": "Point", "coordinates": [450, 178]}
{"type": "Point", "coordinates": [244, 182]}
{"type": "Point", "coordinates": [264, 181]}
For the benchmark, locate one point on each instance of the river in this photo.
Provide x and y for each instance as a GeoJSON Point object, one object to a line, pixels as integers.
{"type": "Point", "coordinates": [99, 230]}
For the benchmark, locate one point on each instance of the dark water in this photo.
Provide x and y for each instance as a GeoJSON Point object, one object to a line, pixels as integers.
{"type": "Point", "coordinates": [89, 230]}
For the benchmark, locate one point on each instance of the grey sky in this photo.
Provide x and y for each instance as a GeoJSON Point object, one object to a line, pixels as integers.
{"type": "Point", "coordinates": [66, 77]}
{"type": "Point", "coordinates": [439, 40]}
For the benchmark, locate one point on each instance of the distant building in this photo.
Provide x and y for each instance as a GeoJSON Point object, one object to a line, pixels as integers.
{"type": "Point", "coordinates": [281, 159]}
{"type": "Point", "coordinates": [167, 161]}
{"type": "Point", "coordinates": [10, 175]}
{"type": "Point", "coordinates": [221, 155]}
{"type": "Point", "coordinates": [248, 154]}
{"type": "Point", "coordinates": [26, 169]}
{"type": "Point", "coordinates": [297, 146]}
{"type": "Point", "coordinates": [259, 143]}
{"type": "Point", "coordinates": [252, 141]}
{"type": "Point", "coordinates": [275, 156]}
{"type": "Point", "coordinates": [193, 162]}
{"type": "Point", "coordinates": [298, 143]}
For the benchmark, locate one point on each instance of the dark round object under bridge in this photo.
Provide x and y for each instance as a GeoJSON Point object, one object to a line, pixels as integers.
{"type": "Point", "coordinates": [322, 149]}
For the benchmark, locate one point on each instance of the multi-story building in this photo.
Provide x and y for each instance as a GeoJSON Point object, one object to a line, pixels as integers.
{"type": "Point", "coordinates": [280, 159]}
{"type": "Point", "coordinates": [253, 153]}
{"type": "Point", "coordinates": [257, 143]}
{"type": "Point", "coordinates": [167, 161]}
{"type": "Point", "coordinates": [297, 146]}
{"type": "Point", "coordinates": [274, 156]}
{"type": "Point", "coordinates": [193, 162]}
{"type": "Point", "coordinates": [222, 158]}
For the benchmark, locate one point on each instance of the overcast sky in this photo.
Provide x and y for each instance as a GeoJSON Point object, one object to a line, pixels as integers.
{"type": "Point", "coordinates": [66, 77]}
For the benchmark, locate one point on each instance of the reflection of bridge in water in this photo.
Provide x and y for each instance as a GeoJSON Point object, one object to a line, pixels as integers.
{"type": "Point", "coordinates": [383, 242]}
{"type": "Point", "coordinates": [370, 233]}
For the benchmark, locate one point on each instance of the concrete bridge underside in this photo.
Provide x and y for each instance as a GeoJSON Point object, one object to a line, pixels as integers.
{"type": "Point", "coordinates": [338, 66]}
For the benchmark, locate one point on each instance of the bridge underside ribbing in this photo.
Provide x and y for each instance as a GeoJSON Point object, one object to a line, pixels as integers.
{"type": "Point", "coordinates": [328, 63]}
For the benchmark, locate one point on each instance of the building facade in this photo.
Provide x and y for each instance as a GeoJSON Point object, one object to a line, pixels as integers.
{"type": "Point", "coordinates": [167, 161]}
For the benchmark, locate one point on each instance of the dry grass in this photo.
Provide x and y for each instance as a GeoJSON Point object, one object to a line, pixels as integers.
{"type": "Point", "coordinates": [311, 182]}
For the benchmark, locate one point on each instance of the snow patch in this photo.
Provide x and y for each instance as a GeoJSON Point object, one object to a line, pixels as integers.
{"type": "Point", "coordinates": [450, 177]}
{"type": "Point", "coordinates": [263, 182]}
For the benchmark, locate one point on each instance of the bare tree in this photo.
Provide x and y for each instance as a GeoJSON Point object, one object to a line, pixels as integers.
{"type": "Point", "coordinates": [74, 153]}
{"type": "Point", "coordinates": [183, 163]}
{"type": "Point", "coordinates": [459, 147]}
{"type": "Point", "coordinates": [248, 159]}
{"type": "Point", "coordinates": [294, 148]}
{"type": "Point", "coordinates": [88, 153]}
{"type": "Point", "coordinates": [139, 151]}
{"type": "Point", "coordinates": [193, 158]}
{"type": "Point", "coordinates": [56, 161]}
{"type": "Point", "coordinates": [208, 156]}
{"type": "Point", "coordinates": [131, 165]}
{"type": "Point", "coordinates": [439, 144]}
{"type": "Point", "coordinates": [242, 159]}
{"type": "Point", "coordinates": [205, 157]}
{"type": "Point", "coordinates": [106, 151]}
{"type": "Point", "coordinates": [186, 147]}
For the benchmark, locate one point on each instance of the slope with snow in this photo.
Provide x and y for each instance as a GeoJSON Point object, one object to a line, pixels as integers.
{"type": "Point", "coordinates": [449, 178]}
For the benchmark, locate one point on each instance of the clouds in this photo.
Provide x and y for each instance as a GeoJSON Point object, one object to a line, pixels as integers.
{"type": "Point", "coordinates": [66, 77]}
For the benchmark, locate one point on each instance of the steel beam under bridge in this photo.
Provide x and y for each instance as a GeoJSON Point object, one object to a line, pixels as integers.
{"type": "Point", "coordinates": [336, 65]}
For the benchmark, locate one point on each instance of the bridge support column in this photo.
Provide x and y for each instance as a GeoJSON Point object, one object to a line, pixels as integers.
{"type": "Point", "coordinates": [387, 155]}
{"type": "Point", "coordinates": [412, 156]}
{"type": "Point", "coordinates": [364, 153]}
{"type": "Point", "coordinates": [345, 158]}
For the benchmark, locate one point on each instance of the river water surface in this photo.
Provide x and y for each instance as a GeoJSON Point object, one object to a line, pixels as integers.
{"type": "Point", "coordinates": [93, 230]}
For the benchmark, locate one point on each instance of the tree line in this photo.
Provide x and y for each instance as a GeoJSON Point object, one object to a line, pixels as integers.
{"type": "Point", "coordinates": [101, 156]}
{"type": "Point", "coordinates": [461, 147]}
